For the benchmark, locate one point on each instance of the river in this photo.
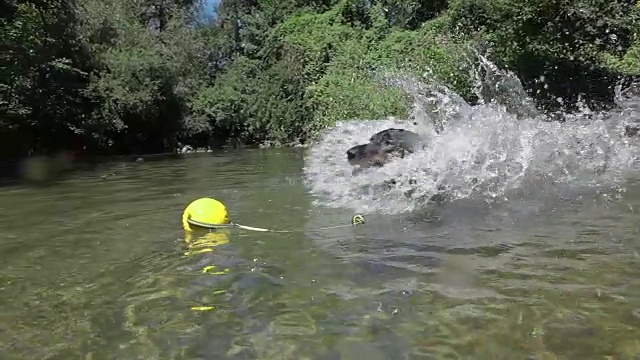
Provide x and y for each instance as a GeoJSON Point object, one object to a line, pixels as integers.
{"type": "Point", "coordinates": [94, 267]}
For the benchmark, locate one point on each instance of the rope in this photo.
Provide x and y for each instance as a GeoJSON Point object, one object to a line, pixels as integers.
{"type": "Point", "coordinates": [355, 220]}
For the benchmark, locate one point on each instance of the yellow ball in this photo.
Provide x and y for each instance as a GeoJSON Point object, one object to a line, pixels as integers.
{"type": "Point", "coordinates": [205, 210]}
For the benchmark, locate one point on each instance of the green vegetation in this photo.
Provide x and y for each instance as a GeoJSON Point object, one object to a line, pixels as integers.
{"type": "Point", "coordinates": [119, 77]}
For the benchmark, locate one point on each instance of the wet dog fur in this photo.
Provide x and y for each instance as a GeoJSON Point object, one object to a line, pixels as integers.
{"type": "Point", "coordinates": [383, 147]}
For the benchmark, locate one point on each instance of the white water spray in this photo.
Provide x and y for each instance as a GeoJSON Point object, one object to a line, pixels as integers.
{"type": "Point", "coordinates": [486, 151]}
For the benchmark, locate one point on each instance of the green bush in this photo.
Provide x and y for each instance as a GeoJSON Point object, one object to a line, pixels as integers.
{"type": "Point", "coordinates": [578, 48]}
{"type": "Point", "coordinates": [140, 76]}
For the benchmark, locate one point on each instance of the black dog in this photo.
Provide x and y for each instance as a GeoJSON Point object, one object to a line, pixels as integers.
{"type": "Point", "coordinates": [383, 147]}
{"type": "Point", "coordinates": [631, 130]}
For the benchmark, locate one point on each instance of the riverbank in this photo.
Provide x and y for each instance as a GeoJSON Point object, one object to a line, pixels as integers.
{"type": "Point", "coordinates": [45, 170]}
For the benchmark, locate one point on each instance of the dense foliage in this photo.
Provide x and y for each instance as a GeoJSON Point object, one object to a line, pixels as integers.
{"type": "Point", "coordinates": [120, 76]}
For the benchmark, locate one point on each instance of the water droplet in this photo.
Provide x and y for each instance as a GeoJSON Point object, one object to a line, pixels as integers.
{"type": "Point", "coordinates": [474, 139]}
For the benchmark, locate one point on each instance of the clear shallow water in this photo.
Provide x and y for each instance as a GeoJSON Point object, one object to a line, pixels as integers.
{"type": "Point", "coordinates": [95, 268]}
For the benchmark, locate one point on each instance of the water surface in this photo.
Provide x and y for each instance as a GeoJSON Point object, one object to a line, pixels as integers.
{"type": "Point", "coordinates": [94, 267]}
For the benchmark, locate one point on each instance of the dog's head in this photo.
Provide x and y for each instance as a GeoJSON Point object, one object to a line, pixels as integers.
{"type": "Point", "coordinates": [631, 130]}
{"type": "Point", "coordinates": [372, 155]}
{"type": "Point", "coordinates": [383, 147]}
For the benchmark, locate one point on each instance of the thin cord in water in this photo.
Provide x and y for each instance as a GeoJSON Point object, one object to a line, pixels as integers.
{"type": "Point", "coordinates": [355, 220]}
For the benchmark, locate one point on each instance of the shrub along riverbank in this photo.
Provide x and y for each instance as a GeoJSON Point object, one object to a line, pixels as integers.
{"type": "Point", "coordinates": [116, 76]}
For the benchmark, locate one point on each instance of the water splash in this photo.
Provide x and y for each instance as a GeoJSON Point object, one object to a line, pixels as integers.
{"type": "Point", "coordinates": [488, 150]}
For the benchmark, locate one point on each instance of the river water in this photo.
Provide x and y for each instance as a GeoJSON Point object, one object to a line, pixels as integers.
{"type": "Point", "coordinates": [534, 256]}
{"type": "Point", "coordinates": [94, 267]}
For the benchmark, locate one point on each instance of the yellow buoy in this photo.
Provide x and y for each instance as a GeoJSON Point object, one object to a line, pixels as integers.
{"type": "Point", "coordinates": [205, 210]}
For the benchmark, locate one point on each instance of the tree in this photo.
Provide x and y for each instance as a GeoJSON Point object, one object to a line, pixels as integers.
{"type": "Point", "coordinates": [44, 72]}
